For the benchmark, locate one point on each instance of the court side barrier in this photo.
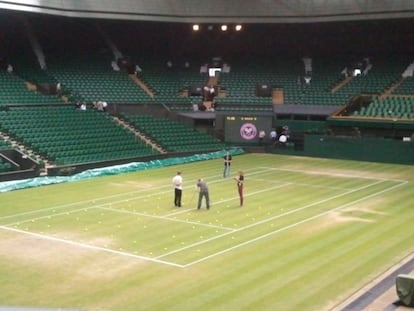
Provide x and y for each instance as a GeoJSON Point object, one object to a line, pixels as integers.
{"type": "Point", "coordinates": [114, 170]}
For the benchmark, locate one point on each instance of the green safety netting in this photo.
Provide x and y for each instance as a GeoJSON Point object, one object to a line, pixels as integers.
{"type": "Point", "coordinates": [113, 170]}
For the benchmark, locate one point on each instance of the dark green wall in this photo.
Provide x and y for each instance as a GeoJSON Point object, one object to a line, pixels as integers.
{"type": "Point", "coordinates": [363, 149]}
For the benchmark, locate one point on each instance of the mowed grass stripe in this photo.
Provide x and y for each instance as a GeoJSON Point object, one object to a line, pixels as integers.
{"type": "Point", "coordinates": [263, 275]}
{"type": "Point", "coordinates": [293, 282]}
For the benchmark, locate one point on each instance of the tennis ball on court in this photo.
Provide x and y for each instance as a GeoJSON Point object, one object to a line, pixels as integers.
{"type": "Point", "coordinates": [48, 217]}
{"type": "Point", "coordinates": [232, 237]}
{"type": "Point", "coordinates": [201, 236]}
{"type": "Point", "coordinates": [135, 242]}
{"type": "Point", "coordinates": [33, 220]}
{"type": "Point", "coordinates": [145, 227]}
{"type": "Point", "coordinates": [150, 253]}
{"type": "Point", "coordinates": [193, 227]}
{"type": "Point", "coordinates": [173, 236]}
{"type": "Point", "coordinates": [48, 226]}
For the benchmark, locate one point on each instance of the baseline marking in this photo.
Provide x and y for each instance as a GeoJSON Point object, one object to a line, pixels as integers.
{"type": "Point", "coordinates": [268, 219]}
{"type": "Point", "coordinates": [289, 226]}
{"type": "Point", "coordinates": [93, 247]}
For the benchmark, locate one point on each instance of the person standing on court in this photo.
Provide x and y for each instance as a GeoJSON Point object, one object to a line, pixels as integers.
{"type": "Point", "coordinates": [178, 189]}
{"type": "Point", "coordinates": [240, 182]}
{"type": "Point", "coordinates": [227, 163]}
{"type": "Point", "coordinates": [203, 192]}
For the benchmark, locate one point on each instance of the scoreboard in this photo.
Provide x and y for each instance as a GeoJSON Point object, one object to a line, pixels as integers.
{"type": "Point", "coordinates": [245, 129]}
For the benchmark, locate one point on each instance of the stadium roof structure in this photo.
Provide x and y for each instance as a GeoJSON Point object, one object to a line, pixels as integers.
{"type": "Point", "coordinates": [218, 11]}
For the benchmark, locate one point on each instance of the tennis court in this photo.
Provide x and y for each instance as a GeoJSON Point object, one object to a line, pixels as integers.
{"type": "Point", "coordinates": [131, 217]}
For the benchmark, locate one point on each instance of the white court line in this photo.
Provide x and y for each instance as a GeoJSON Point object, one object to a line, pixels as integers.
{"type": "Point", "coordinates": [331, 174]}
{"type": "Point", "coordinates": [233, 198]}
{"type": "Point", "coordinates": [92, 247]}
{"type": "Point", "coordinates": [289, 226]}
{"type": "Point", "coordinates": [303, 184]}
{"type": "Point", "coordinates": [271, 218]}
{"type": "Point", "coordinates": [157, 260]}
{"type": "Point", "coordinates": [48, 216]}
{"type": "Point", "coordinates": [164, 218]}
{"type": "Point", "coordinates": [102, 198]}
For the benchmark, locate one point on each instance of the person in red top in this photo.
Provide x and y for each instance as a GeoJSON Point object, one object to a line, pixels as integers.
{"type": "Point", "coordinates": [240, 181]}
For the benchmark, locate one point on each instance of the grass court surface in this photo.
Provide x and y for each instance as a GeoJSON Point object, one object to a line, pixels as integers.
{"type": "Point", "coordinates": [310, 234]}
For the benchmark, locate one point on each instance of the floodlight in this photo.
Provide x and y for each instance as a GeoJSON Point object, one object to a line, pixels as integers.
{"type": "Point", "coordinates": [196, 27]}
{"type": "Point", "coordinates": [223, 27]}
{"type": "Point", "coordinates": [238, 27]}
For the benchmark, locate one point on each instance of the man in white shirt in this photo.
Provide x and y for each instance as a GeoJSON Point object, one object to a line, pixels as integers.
{"type": "Point", "coordinates": [178, 189]}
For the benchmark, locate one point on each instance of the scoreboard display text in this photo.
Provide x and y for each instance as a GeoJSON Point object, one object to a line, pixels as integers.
{"type": "Point", "coordinates": [245, 129]}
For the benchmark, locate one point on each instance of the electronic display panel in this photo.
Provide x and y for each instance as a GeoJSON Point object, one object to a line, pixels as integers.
{"type": "Point", "coordinates": [245, 128]}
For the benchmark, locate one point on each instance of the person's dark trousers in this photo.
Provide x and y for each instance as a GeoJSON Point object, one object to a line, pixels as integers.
{"type": "Point", "coordinates": [177, 197]}
{"type": "Point", "coordinates": [200, 199]}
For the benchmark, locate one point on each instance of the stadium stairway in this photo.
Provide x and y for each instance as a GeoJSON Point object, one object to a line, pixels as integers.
{"type": "Point", "coordinates": [341, 83]}
{"type": "Point", "coordinates": [140, 135]}
{"type": "Point", "coordinates": [142, 85]}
